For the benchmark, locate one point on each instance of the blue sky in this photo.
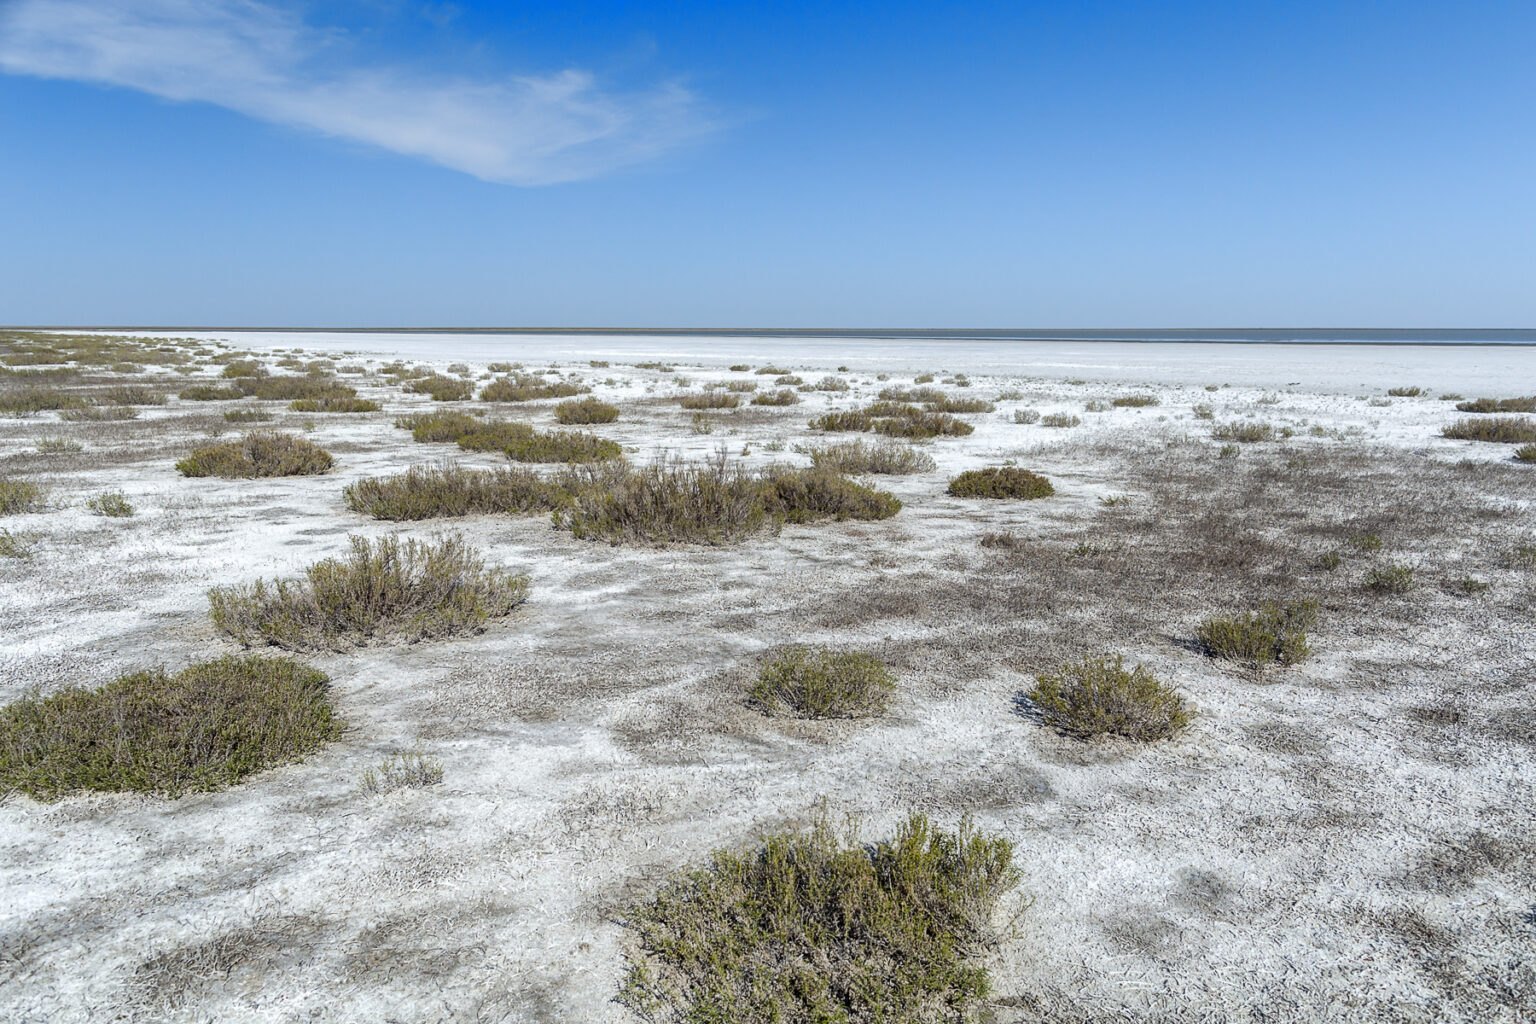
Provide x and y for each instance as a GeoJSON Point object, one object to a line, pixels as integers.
{"type": "Point", "coordinates": [383, 162]}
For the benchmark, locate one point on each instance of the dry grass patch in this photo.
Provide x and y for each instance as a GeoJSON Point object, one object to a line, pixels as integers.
{"type": "Point", "coordinates": [381, 590]}
{"type": "Point", "coordinates": [1001, 482]}
{"type": "Point", "coordinates": [783, 396]}
{"type": "Point", "coordinates": [710, 400]}
{"type": "Point", "coordinates": [210, 393]}
{"type": "Point", "coordinates": [402, 771]}
{"type": "Point", "coordinates": [1099, 696]}
{"type": "Point", "coordinates": [1060, 419]}
{"type": "Point", "coordinates": [527, 387]}
{"type": "Point", "coordinates": [259, 454]}
{"type": "Point", "coordinates": [820, 683]}
{"type": "Point", "coordinates": [1497, 429]}
{"type": "Point", "coordinates": [893, 419]}
{"type": "Point", "coordinates": [334, 403]}
{"type": "Point", "coordinates": [204, 728]}
{"type": "Point", "coordinates": [585, 411]}
{"type": "Point", "coordinates": [17, 496]}
{"type": "Point", "coordinates": [1134, 401]}
{"type": "Point", "coordinates": [670, 501]}
{"type": "Point", "coordinates": [440, 388]}
{"type": "Point", "coordinates": [431, 492]}
{"type": "Point", "coordinates": [816, 495]}
{"type": "Point", "coordinates": [1525, 404]}
{"type": "Point", "coordinates": [886, 457]}
{"type": "Point", "coordinates": [1409, 391]}
{"type": "Point", "coordinates": [1274, 634]}
{"type": "Point", "coordinates": [1526, 453]}
{"type": "Point", "coordinates": [112, 504]}
{"type": "Point", "coordinates": [1244, 432]}
{"type": "Point", "coordinates": [814, 926]}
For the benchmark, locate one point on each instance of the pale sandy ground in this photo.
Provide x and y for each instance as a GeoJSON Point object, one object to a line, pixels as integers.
{"type": "Point", "coordinates": [1353, 839]}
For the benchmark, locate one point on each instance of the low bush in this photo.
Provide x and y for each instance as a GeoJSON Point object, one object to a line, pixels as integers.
{"type": "Point", "coordinates": [814, 926]}
{"type": "Point", "coordinates": [126, 394]}
{"type": "Point", "coordinates": [1498, 429]}
{"type": "Point", "coordinates": [28, 400]}
{"type": "Point", "coordinates": [59, 446]}
{"type": "Point", "coordinates": [113, 504]}
{"type": "Point", "coordinates": [446, 425]}
{"type": "Point", "coordinates": [243, 368]}
{"type": "Point", "coordinates": [783, 396]}
{"type": "Point", "coordinates": [210, 393]}
{"type": "Point", "coordinates": [788, 380]}
{"type": "Point", "coordinates": [1026, 416]}
{"type": "Point", "coordinates": [258, 454]}
{"type": "Point", "coordinates": [100, 414]}
{"type": "Point", "coordinates": [1099, 696]}
{"type": "Point", "coordinates": [521, 443]}
{"type": "Point", "coordinates": [1003, 540]}
{"type": "Point", "coordinates": [670, 501]}
{"type": "Point", "coordinates": [740, 367]}
{"type": "Point", "coordinates": [334, 403]}
{"type": "Point", "coordinates": [1134, 401]}
{"type": "Point", "coordinates": [18, 496]}
{"type": "Point", "coordinates": [710, 400]}
{"type": "Point", "coordinates": [1245, 432]}
{"type": "Point", "coordinates": [586, 410]}
{"type": "Point", "coordinates": [1525, 404]}
{"type": "Point", "coordinates": [1526, 453]}
{"type": "Point", "coordinates": [770, 371]}
{"type": "Point", "coordinates": [1001, 482]}
{"type": "Point", "coordinates": [1405, 392]}
{"type": "Point", "coordinates": [1274, 634]}
{"type": "Point", "coordinates": [288, 389]}
{"type": "Point", "coordinates": [1390, 579]}
{"type": "Point", "coordinates": [247, 416]}
{"type": "Point", "coordinates": [882, 457]}
{"type": "Point", "coordinates": [1060, 419]}
{"type": "Point", "coordinates": [382, 590]}
{"type": "Point", "coordinates": [743, 387]}
{"type": "Point", "coordinates": [402, 771]}
{"type": "Point", "coordinates": [814, 495]}
{"type": "Point", "coordinates": [832, 384]}
{"type": "Point", "coordinates": [431, 492]}
{"type": "Point", "coordinates": [960, 405]}
{"type": "Point", "coordinates": [443, 389]}
{"type": "Point", "coordinates": [821, 683]}
{"type": "Point", "coordinates": [528, 387]}
{"type": "Point", "coordinates": [14, 546]}
{"type": "Point", "coordinates": [204, 728]}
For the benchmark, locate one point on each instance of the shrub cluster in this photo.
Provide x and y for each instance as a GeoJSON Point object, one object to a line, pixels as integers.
{"type": "Point", "coordinates": [429, 492]}
{"type": "Point", "coordinates": [210, 393]}
{"type": "Point", "coordinates": [1405, 392]}
{"type": "Point", "coordinates": [520, 442]}
{"type": "Point", "coordinates": [1060, 419]}
{"type": "Point", "coordinates": [112, 504]}
{"type": "Point", "coordinates": [1099, 696]}
{"type": "Point", "coordinates": [441, 388]}
{"type": "Point", "coordinates": [528, 387]}
{"type": "Point", "coordinates": [1526, 453]}
{"type": "Point", "coordinates": [586, 410]}
{"type": "Point", "coordinates": [258, 454]}
{"type": "Point", "coordinates": [1499, 429]}
{"type": "Point", "coordinates": [444, 425]}
{"type": "Point", "coordinates": [670, 501]}
{"type": "Point", "coordinates": [817, 927]}
{"type": "Point", "coordinates": [288, 389]}
{"type": "Point", "coordinates": [821, 683]}
{"type": "Point", "coordinates": [1274, 634]}
{"type": "Point", "coordinates": [1134, 401]}
{"type": "Point", "coordinates": [884, 457]}
{"type": "Point", "coordinates": [1390, 579]}
{"type": "Point", "coordinates": [203, 728]}
{"type": "Point", "coordinates": [381, 590]}
{"type": "Point", "coordinates": [1001, 482]}
{"type": "Point", "coordinates": [1246, 432]}
{"type": "Point", "coordinates": [19, 496]}
{"type": "Point", "coordinates": [783, 396]}
{"type": "Point", "coordinates": [814, 495]}
{"type": "Point", "coordinates": [893, 419]}
{"type": "Point", "coordinates": [1525, 404]}
{"type": "Point", "coordinates": [333, 403]}
{"type": "Point", "coordinates": [710, 400]}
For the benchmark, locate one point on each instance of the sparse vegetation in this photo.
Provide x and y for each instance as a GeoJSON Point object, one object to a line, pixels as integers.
{"type": "Point", "coordinates": [17, 496]}
{"type": "Point", "coordinates": [882, 457]}
{"type": "Point", "coordinates": [1392, 578]}
{"type": "Point", "coordinates": [528, 387]}
{"type": "Point", "coordinates": [821, 683]}
{"type": "Point", "coordinates": [258, 454]}
{"type": "Point", "coordinates": [893, 419]}
{"type": "Point", "coordinates": [1525, 404]}
{"type": "Point", "coordinates": [814, 495]}
{"type": "Point", "coordinates": [382, 590]}
{"type": "Point", "coordinates": [204, 728]}
{"type": "Point", "coordinates": [1497, 429]}
{"type": "Point", "coordinates": [334, 403]}
{"type": "Point", "coordinates": [1060, 419]}
{"type": "Point", "coordinates": [818, 927]}
{"type": "Point", "coordinates": [445, 389]}
{"type": "Point", "coordinates": [586, 410]}
{"type": "Point", "coordinates": [410, 770]}
{"type": "Point", "coordinates": [670, 501]}
{"type": "Point", "coordinates": [710, 400]}
{"type": "Point", "coordinates": [1405, 392]}
{"type": "Point", "coordinates": [113, 504]}
{"type": "Point", "coordinates": [1526, 453]}
{"type": "Point", "coordinates": [445, 425]}
{"type": "Point", "coordinates": [448, 490]}
{"type": "Point", "coordinates": [1099, 696]}
{"type": "Point", "coordinates": [770, 371]}
{"type": "Point", "coordinates": [13, 545]}
{"type": "Point", "coordinates": [783, 396]}
{"type": "Point", "coordinates": [1026, 416]}
{"type": "Point", "coordinates": [1001, 482]}
{"type": "Point", "coordinates": [210, 393]}
{"type": "Point", "coordinates": [1244, 431]}
{"type": "Point", "coordinates": [1134, 401]}
{"type": "Point", "coordinates": [247, 416]}
{"type": "Point", "coordinates": [1274, 634]}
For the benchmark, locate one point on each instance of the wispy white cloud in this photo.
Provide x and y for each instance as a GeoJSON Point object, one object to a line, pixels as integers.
{"type": "Point", "coordinates": [266, 62]}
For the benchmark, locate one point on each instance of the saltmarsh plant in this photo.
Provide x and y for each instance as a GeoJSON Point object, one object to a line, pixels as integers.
{"type": "Point", "coordinates": [1392, 578]}
{"type": "Point", "coordinates": [446, 425]}
{"type": "Point", "coordinates": [1498, 429]}
{"type": "Point", "coordinates": [817, 926]}
{"type": "Point", "coordinates": [440, 388]}
{"type": "Point", "coordinates": [1026, 416]}
{"type": "Point", "coordinates": [1245, 432]}
{"type": "Point", "coordinates": [210, 393]}
{"type": "Point", "coordinates": [528, 387]}
{"type": "Point", "coordinates": [204, 728]}
{"type": "Point", "coordinates": [521, 443]}
{"type": "Point", "coordinates": [1405, 392]}
{"type": "Point", "coordinates": [333, 403]}
{"type": "Point", "coordinates": [247, 416]}
{"type": "Point", "coordinates": [18, 496]}
{"type": "Point", "coordinates": [430, 492]}
{"type": "Point", "coordinates": [884, 457]}
{"type": "Point", "coordinates": [586, 410]}
{"type": "Point", "coordinates": [382, 590]}
{"type": "Point", "coordinates": [1060, 419]}
{"type": "Point", "coordinates": [258, 454]}
{"type": "Point", "coordinates": [1100, 696]}
{"type": "Point", "coordinates": [113, 504]}
{"type": "Point", "coordinates": [710, 400]}
{"type": "Point", "coordinates": [1133, 401]}
{"type": "Point", "coordinates": [1525, 404]}
{"type": "Point", "coordinates": [1001, 482]}
{"type": "Point", "coordinates": [783, 396]}
{"type": "Point", "coordinates": [1274, 634]}
{"type": "Point", "coordinates": [893, 419]}
{"type": "Point", "coordinates": [671, 501]}
{"type": "Point", "coordinates": [1526, 453]}
{"type": "Point", "coordinates": [814, 495]}
{"type": "Point", "coordinates": [14, 545]}
{"type": "Point", "coordinates": [410, 770]}
{"type": "Point", "coordinates": [821, 683]}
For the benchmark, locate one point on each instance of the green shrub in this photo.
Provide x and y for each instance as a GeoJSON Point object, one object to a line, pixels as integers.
{"type": "Point", "coordinates": [1405, 392]}
{"type": "Point", "coordinates": [1244, 432]}
{"type": "Point", "coordinates": [126, 394]}
{"type": "Point", "coordinates": [58, 446]}
{"type": "Point", "coordinates": [443, 389]}
{"type": "Point", "coordinates": [28, 400]}
{"type": "Point", "coordinates": [430, 492]}
{"type": "Point", "coordinates": [1000, 482]}
{"type": "Point", "coordinates": [333, 403]}
{"type": "Point", "coordinates": [382, 590]}
{"type": "Point", "coordinates": [814, 495]}
{"type": "Point", "coordinates": [832, 384]}
{"type": "Point", "coordinates": [783, 396]}
{"type": "Point", "coordinates": [113, 504]}
{"type": "Point", "coordinates": [1498, 429]}
{"type": "Point", "coordinates": [204, 728]}
{"type": "Point", "coordinates": [586, 410]}
{"type": "Point", "coordinates": [1390, 579]}
{"type": "Point", "coordinates": [770, 371]}
{"type": "Point", "coordinates": [1526, 453]}
{"type": "Point", "coordinates": [822, 683]}
{"type": "Point", "coordinates": [960, 405]}
{"type": "Point", "coordinates": [1026, 416]}
{"type": "Point", "coordinates": [288, 389]}
{"type": "Point", "coordinates": [258, 454]}
{"type": "Point", "coordinates": [1134, 401]}
{"type": "Point", "coordinates": [1526, 404]}
{"type": "Point", "coordinates": [243, 368]}
{"type": "Point", "coordinates": [1098, 696]}
{"type": "Point", "coordinates": [1275, 634]}
{"type": "Point", "coordinates": [837, 422]}
{"type": "Point", "coordinates": [740, 367]}
{"type": "Point", "coordinates": [528, 387]}
{"type": "Point", "coordinates": [884, 457]}
{"type": "Point", "coordinates": [670, 501]}
{"type": "Point", "coordinates": [788, 380]}
{"type": "Point", "coordinates": [521, 443]}
{"type": "Point", "coordinates": [210, 393]}
{"type": "Point", "coordinates": [817, 927]}
{"type": "Point", "coordinates": [18, 496]}
{"type": "Point", "coordinates": [743, 387]}
{"type": "Point", "coordinates": [710, 400]}
{"type": "Point", "coordinates": [923, 378]}
{"type": "Point", "coordinates": [446, 425]}
{"type": "Point", "coordinates": [1060, 419]}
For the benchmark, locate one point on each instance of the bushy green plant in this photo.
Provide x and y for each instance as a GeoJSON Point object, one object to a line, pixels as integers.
{"type": "Point", "coordinates": [1001, 482]}
{"type": "Point", "coordinates": [783, 396]}
{"type": "Point", "coordinates": [288, 389]}
{"type": "Point", "coordinates": [411, 770]}
{"type": "Point", "coordinates": [243, 368]}
{"type": "Point", "coordinates": [586, 410]}
{"type": "Point", "coordinates": [204, 728]}
{"type": "Point", "coordinates": [113, 504]}
{"type": "Point", "coordinates": [1244, 432]}
{"type": "Point", "coordinates": [1409, 391]}
{"type": "Point", "coordinates": [527, 387]}
{"type": "Point", "coordinates": [821, 683]}
{"type": "Point", "coordinates": [1099, 696]}
{"type": "Point", "coordinates": [1497, 429]}
{"type": "Point", "coordinates": [814, 495]}
{"type": "Point", "coordinates": [1026, 416]}
{"type": "Point", "coordinates": [670, 501]}
{"type": "Point", "coordinates": [1134, 401]}
{"type": "Point", "coordinates": [1060, 419]}
{"type": "Point", "coordinates": [334, 403]}
{"type": "Point", "coordinates": [210, 393]}
{"type": "Point", "coordinates": [771, 371]}
{"type": "Point", "coordinates": [430, 492]}
{"type": "Point", "coordinates": [14, 545]}
{"type": "Point", "coordinates": [1390, 579]}
{"type": "Point", "coordinates": [444, 425]}
{"type": "Point", "coordinates": [381, 590]}
{"type": "Point", "coordinates": [884, 456]}
{"type": "Point", "coordinates": [1274, 634]}
{"type": "Point", "coordinates": [247, 416]}
{"type": "Point", "coordinates": [1526, 453]}
{"type": "Point", "coordinates": [441, 388]}
{"type": "Point", "coordinates": [814, 926]}
{"type": "Point", "coordinates": [258, 454]}
{"type": "Point", "coordinates": [18, 496]}
{"type": "Point", "coordinates": [1525, 404]}
{"type": "Point", "coordinates": [744, 387]}
{"type": "Point", "coordinates": [710, 400]}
